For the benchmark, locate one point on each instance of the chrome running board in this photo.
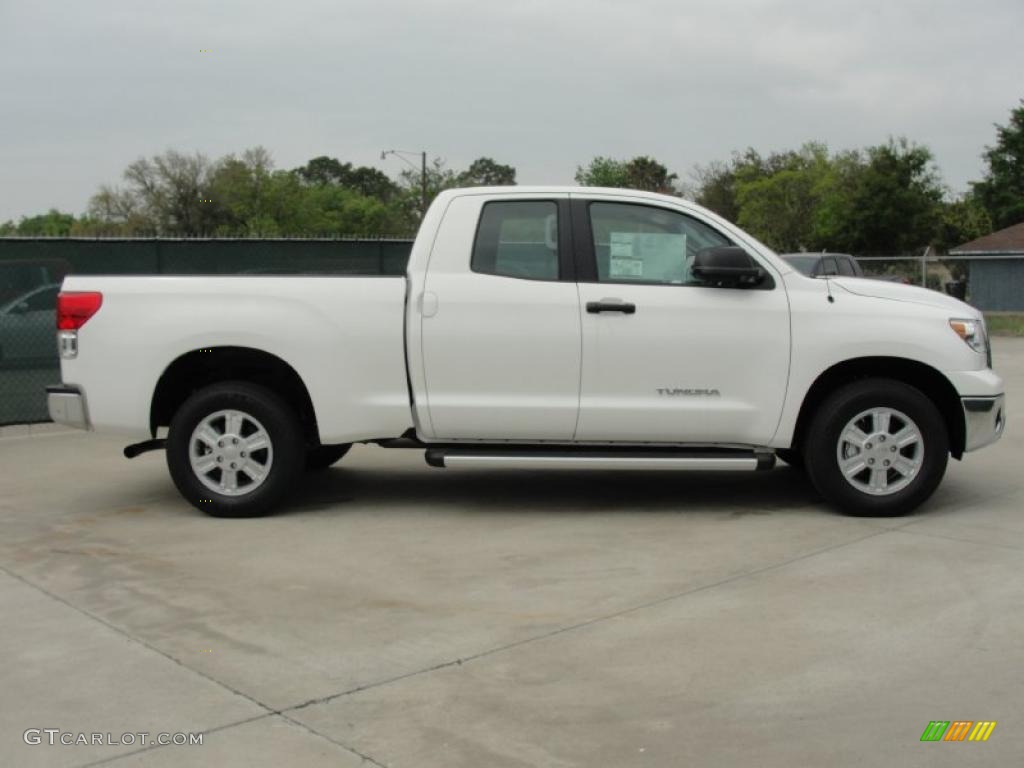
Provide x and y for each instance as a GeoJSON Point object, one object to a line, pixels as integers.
{"type": "Point", "coordinates": [547, 458]}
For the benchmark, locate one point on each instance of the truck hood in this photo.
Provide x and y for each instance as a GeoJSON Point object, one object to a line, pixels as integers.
{"type": "Point", "coordinates": [881, 289]}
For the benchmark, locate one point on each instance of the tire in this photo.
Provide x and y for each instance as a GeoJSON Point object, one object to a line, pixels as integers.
{"type": "Point", "coordinates": [792, 457]}
{"type": "Point", "coordinates": [323, 456]}
{"type": "Point", "coordinates": [266, 472]}
{"type": "Point", "coordinates": [888, 414]}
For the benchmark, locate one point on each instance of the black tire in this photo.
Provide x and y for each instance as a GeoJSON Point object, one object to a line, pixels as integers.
{"type": "Point", "coordinates": [792, 457]}
{"type": "Point", "coordinates": [323, 456]}
{"type": "Point", "coordinates": [822, 440]}
{"type": "Point", "coordinates": [285, 440]}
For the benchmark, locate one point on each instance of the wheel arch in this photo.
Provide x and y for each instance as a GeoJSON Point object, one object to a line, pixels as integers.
{"type": "Point", "coordinates": [930, 381]}
{"type": "Point", "coordinates": [200, 368]}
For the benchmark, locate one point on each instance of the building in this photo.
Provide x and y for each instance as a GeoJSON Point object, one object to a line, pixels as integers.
{"type": "Point", "coordinates": [996, 261]}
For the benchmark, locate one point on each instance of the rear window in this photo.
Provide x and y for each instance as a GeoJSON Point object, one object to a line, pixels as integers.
{"type": "Point", "coordinates": [518, 238]}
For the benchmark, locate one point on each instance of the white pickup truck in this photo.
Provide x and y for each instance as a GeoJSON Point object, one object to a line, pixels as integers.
{"type": "Point", "coordinates": [537, 327]}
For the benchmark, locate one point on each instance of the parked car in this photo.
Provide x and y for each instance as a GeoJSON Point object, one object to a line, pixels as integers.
{"type": "Point", "coordinates": [834, 264]}
{"type": "Point", "coordinates": [537, 328]}
{"type": "Point", "coordinates": [26, 328]}
{"type": "Point", "coordinates": [20, 276]}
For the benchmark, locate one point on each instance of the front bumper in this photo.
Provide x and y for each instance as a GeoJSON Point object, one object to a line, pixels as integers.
{"type": "Point", "coordinates": [67, 406]}
{"type": "Point", "coordinates": [984, 419]}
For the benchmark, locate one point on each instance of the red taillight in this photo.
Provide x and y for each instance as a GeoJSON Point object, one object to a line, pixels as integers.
{"type": "Point", "coordinates": [75, 307]}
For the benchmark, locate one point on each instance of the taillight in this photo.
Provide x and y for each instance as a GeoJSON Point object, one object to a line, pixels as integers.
{"type": "Point", "coordinates": [74, 308]}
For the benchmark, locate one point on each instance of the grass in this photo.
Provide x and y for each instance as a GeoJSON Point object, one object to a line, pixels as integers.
{"type": "Point", "coordinates": [1005, 324]}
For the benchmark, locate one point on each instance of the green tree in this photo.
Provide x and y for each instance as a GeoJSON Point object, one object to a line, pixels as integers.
{"type": "Point", "coordinates": [363, 179]}
{"type": "Point", "coordinates": [1001, 192]}
{"type": "Point", "coordinates": [641, 172]}
{"type": "Point", "coordinates": [962, 219]}
{"type": "Point", "coordinates": [484, 172]}
{"type": "Point", "coordinates": [716, 184]}
{"type": "Point", "coordinates": [53, 223]}
{"type": "Point", "coordinates": [714, 187]}
{"type": "Point", "coordinates": [779, 206]}
{"type": "Point", "coordinates": [885, 200]}
{"type": "Point", "coordinates": [648, 174]}
{"type": "Point", "coordinates": [603, 172]}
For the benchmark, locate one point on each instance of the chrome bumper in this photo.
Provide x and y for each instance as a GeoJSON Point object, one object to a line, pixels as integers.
{"type": "Point", "coordinates": [67, 406]}
{"type": "Point", "coordinates": [985, 418]}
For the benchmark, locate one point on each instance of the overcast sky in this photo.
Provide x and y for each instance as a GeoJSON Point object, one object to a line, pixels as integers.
{"type": "Point", "coordinates": [544, 85]}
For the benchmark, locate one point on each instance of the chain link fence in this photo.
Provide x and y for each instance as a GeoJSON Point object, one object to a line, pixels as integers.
{"type": "Point", "coordinates": [31, 270]}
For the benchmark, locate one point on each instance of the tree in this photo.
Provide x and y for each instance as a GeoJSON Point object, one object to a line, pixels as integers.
{"type": "Point", "coordinates": [484, 172]}
{"type": "Point", "coordinates": [714, 187]}
{"type": "Point", "coordinates": [779, 207]}
{"type": "Point", "coordinates": [363, 179]}
{"type": "Point", "coordinates": [648, 174]}
{"type": "Point", "coordinates": [602, 172]}
{"type": "Point", "coordinates": [961, 220]}
{"type": "Point", "coordinates": [642, 172]}
{"type": "Point", "coordinates": [167, 193]}
{"type": "Point", "coordinates": [716, 182]}
{"type": "Point", "coordinates": [53, 223]}
{"type": "Point", "coordinates": [114, 211]}
{"type": "Point", "coordinates": [1001, 192]}
{"type": "Point", "coordinates": [885, 200]}
{"type": "Point", "coordinates": [439, 178]}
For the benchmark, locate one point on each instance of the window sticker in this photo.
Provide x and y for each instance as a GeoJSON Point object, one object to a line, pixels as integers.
{"type": "Point", "coordinates": [621, 267]}
{"type": "Point", "coordinates": [654, 256]}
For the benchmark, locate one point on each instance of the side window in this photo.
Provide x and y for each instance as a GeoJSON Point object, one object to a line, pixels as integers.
{"type": "Point", "coordinates": [846, 266]}
{"type": "Point", "coordinates": [641, 244]}
{"type": "Point", "coordinates": [518, 239]}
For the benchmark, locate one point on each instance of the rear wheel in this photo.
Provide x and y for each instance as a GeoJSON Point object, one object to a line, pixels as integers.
{"type": "Point", "coordinates": [234, 450]}
{"type": "Point", "coordinates": [323, 456]}
{"type": "Point", "coordinates": [877, 447]}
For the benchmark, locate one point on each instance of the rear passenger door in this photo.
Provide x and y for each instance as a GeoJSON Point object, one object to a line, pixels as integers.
{"type": "Point", "coordinates": [501, 338]}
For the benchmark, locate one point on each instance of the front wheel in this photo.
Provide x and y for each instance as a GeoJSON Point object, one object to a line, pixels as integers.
{"type": "Point", "coordinates": [234, 450]}
{"type": "Point", "coordinates": [877, 447]}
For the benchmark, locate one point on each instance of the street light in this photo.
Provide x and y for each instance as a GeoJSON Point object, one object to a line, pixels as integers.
{"type": "Point", "coordinates": [401, 154]}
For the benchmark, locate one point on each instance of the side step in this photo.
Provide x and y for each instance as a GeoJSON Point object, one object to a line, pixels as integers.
{"type": "Point", "coordinates": [548, 458]}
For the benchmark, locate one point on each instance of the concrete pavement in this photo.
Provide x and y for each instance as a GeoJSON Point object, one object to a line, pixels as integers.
{"type": "Point", "coordinates": [404, 616]}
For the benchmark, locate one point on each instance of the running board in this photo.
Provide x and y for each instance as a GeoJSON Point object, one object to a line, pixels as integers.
{"type": "Point", "coordinates": [510, 458]}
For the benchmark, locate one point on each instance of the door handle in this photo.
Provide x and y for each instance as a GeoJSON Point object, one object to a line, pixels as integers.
{"type": "Point", "coordinates": [625, 307]}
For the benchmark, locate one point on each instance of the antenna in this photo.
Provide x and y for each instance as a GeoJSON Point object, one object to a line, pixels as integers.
{"type": "Point", "coordinates": [828, 288]}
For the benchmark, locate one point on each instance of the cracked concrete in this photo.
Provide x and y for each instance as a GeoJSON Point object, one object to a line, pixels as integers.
{"type": "Point", "coordinates": [399, 615]}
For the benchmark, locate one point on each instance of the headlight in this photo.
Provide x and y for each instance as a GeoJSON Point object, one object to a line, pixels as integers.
{"type": "Point", "coordinates": [972, 332]}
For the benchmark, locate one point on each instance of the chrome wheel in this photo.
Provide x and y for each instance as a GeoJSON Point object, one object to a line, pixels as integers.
{"type": "Point", "coordinates": [880, 451]}
{"type": "Point", "coordinates": [231, 452]}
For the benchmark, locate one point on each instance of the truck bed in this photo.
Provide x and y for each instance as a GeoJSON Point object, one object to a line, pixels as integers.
{"type": "Point", "coordinates": [344, 336]}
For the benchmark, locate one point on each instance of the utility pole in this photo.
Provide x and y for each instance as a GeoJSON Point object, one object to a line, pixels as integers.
{"type": "Point", "coordinates": [423, 184]}
{"type": "Point", "coordinates": [924, 267]}
{"type": "Point", "coordinates": [402, 155]}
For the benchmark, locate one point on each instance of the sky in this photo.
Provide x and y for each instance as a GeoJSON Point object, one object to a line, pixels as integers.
{"type": "Point", "coordinates": [543, 85]}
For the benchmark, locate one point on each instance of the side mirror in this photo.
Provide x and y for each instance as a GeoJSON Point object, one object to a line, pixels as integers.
{"type": "Point", "coordinates": [727, 266]}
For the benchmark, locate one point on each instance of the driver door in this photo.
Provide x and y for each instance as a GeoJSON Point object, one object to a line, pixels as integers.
{"type": "Point", "coordinates": [665, 357]}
